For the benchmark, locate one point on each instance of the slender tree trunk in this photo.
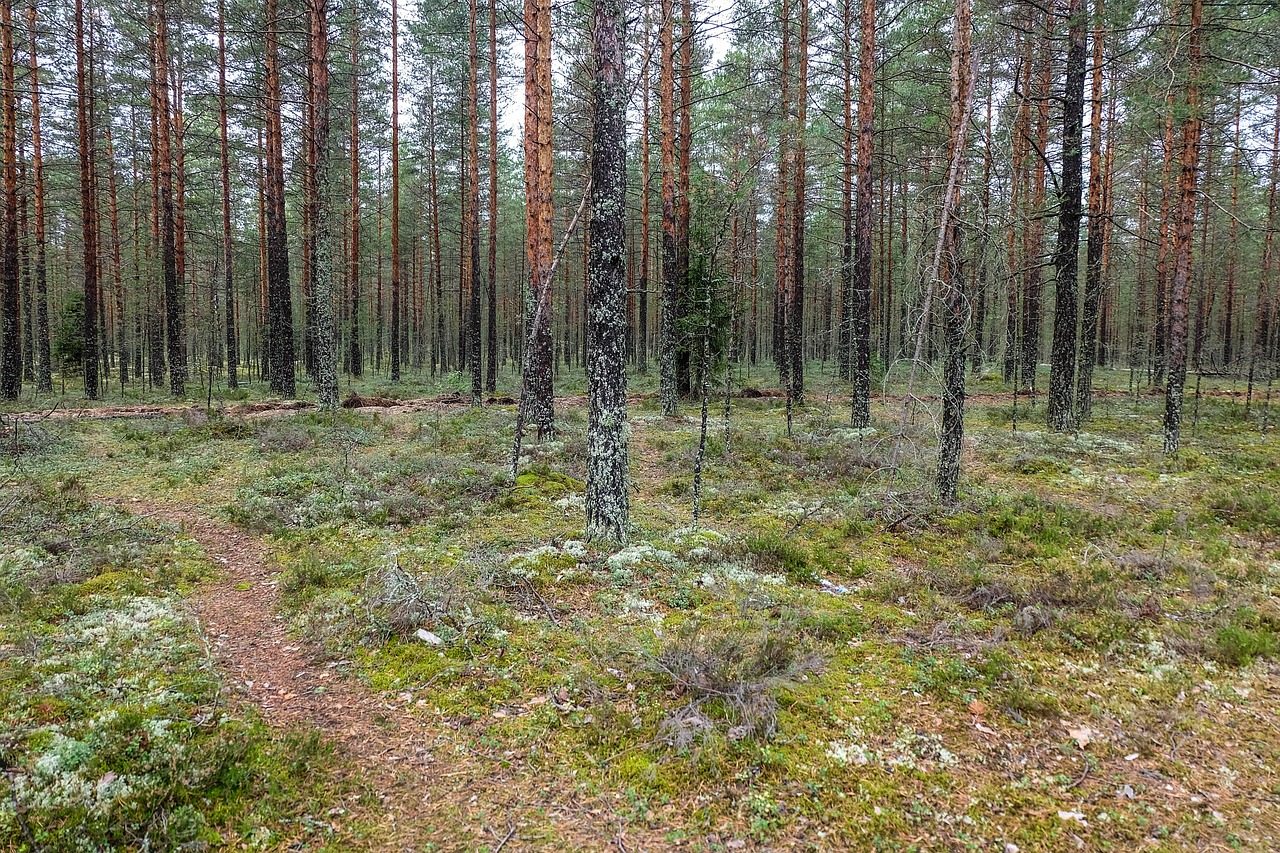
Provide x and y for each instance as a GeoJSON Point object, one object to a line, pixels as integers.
{"type": "Point", "coordinates": [1179, 290]}
{"type": "Point", "coordinates": [491, 374]}
{"type": "Point", "coordinates": [43, 360]}
{"type": "Point", "coordinates": [1229, 308]}
{"type": "Point", "coordinates": [233, 354]}
{"type": "Point", "coordinates": [641, 331]}
{"type": "Point", "coordinates": [1163, 252]}
{"type": "Point", "coordinates": [1033, 282]}
{"type": "Point", "coordinates": [473, 213]}
{"type": "Point", "coordinates": [355, 347]}
{"type": "Point", "coordinates": [88, 209]}
{"type": "Point", "coordinates": [844, 336]}
{"type": "Point", "coordinates": [667, 344]}
{"type": "Point", "coordinates": [395, 193]}
{"type": "Point", "coordinates": [955, 301]}
{"type": "Point", "coordinates": [781, 215]}
{"type": "Point", "coordinates": [861, 285]}
{"type": "Point", "coordinates": [1095, 233]}
{"type": "Point", "coordinates": [174, 312]}
{"type": "Point", "coordinates": [117, 266]}
{"type": "Point", "coordinates": [10, 305]}
{"type": "Point", "coordinates": [607, 501]}
{"type": "Point", "coordinates": [795, 316]}
{"type": "Point", "coordinates": [279, 297]}
{"type": "Point", "coordinates": [684, 353]}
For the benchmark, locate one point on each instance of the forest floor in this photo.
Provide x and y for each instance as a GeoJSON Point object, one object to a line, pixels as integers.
{"type": "Point", "coordinates": [229, 630]}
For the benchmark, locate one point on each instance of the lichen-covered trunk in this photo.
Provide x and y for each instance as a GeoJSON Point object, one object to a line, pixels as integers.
{"type": "Point", "coordinates": [1066, 255]}
{"type": "Point", "coordinates": [606, 495]}
{"type": "Point", "coordinates": [279, 298]}
{"type": "Point", "coordinates": [1184, 227]}
{"type": "Point", "coordinates": [947, 262]}
{"type": "Point", "coordinates": [323, 213]}
{"type": "Point", "coordinates": [955, 310]}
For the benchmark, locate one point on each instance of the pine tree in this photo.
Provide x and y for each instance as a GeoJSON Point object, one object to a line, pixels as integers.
{"type": "Point", "coordinates": [607, 484]}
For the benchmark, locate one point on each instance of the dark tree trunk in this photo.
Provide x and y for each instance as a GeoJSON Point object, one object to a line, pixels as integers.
{"type": "Point", "coordinates": [606, 494]}
{"type": "Point", "coordinates": [1066, 256]}
{"type": "Point", "coordinates": [861, 287]}
{"type": "Point", "coordinates": [279, 298]}
{"type": "Point", "coordinates": [174, 297]}
{"type": "Point", "coordinates": [10, 304]}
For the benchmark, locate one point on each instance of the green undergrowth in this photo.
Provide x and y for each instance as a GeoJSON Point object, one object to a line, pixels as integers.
{"type": "Point", "coordinates": [1082, 651]}
{"type": "Point", "coordinates": [114, 732]}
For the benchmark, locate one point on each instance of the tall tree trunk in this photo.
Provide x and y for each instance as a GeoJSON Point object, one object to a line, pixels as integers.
{"type": "Point", "coordinates": [473, 212]}
{"type": "Point", "coordinates": [1164, 251]}
{"type": "Point", "coordinates": [1066, 256]}
{"type": "Point", "coordinates": [279, 297]}
{"type": "Point", "coordinates": [1033, 281]}
{"type": "Point", "coordinates": [395, 193]}
{"type": "Point", "coordinates": [1095, 232]}
{"type": "Point", "coordinates": [955, 301]}
{"type": "Point", "coordinates": [88, 212]}
{"type": "Point", "coordinates": [1179, 289]}
{"type": "Point", "coordinates": [173, 291]}
{"type": "Point", "coordinates": [667, 344]}
{"type": "Point", "coordinates": [607, 501]}
{"type": "Point", "coordinates": [781, 216]}
{"type": "Point", "coordinates": [537, 401]}
{"type": "Point", "coordinates": [117, 266]}
{"type": "Point", "coordinates": [641, 330]}
{"type": "Point", "coordinates": [233, 354]}
{"type": "Point", "coordinates": [10, 306]}
{"type": "Point", "coordinates": [355, 347]}
{"type": "Point", "coordinates": [1229, 308]}
{"type": "Point", "coordinates": [491, 375]}
{"type": "Point", "coordinates": [861, 286]}
{"type": "Point", "coordinates": [795, 343]}
{"type": "Point", "coordinates": [684, 138]}
{"type": "Point", "coordinates": [323, 213]}
{"type": "Point", "coordinates": [844, 336]}
{"type": "Point", "coordinates": [43, 359]}
{"type": "Point", "coordinates": [1019, 185]}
